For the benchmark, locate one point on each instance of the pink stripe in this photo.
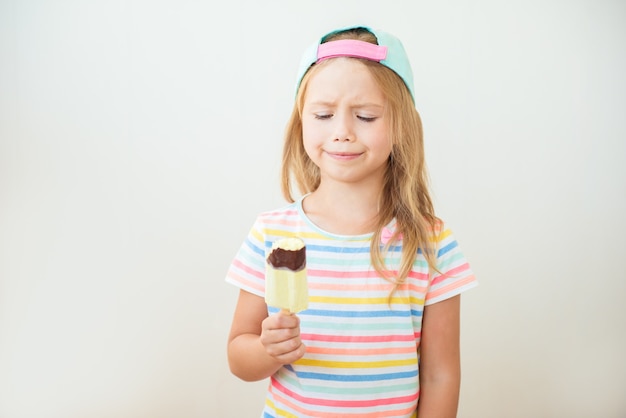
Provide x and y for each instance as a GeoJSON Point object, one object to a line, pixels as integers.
{"type": "Point", "coordinates": [245, 283]}
{"type": "Point", "coordinates": [282, 222]}
{"type": "Point", "coordinates": [358, 339]}
{"type": "Point", "coordinates": [343, 274]}
{"type": "Point", "coordinates": [451, 287]}
{"type": "Point", "coordinates": [237, 263]}
{"type": "Point", "coordinates": [343, 404]}
{"type": "Point", "coordinates": [361, 274]}
{"type": "Point", "coordinates": [418, 275]}
{"type": "Point", "coordinates": [280, 214]}
{"type": "Point", "coordinates": [359, 352]}
{"type": "Point", "coordinates": [418, 289]}
{"type": "Point", "coordinates": [320, 414]}
{"type": "Point", "coordinates": [451, 273]}
{"type": "Point", "coordinates": [346, 286]}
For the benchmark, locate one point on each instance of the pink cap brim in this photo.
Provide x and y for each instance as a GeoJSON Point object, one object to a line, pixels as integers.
{"type": "Point", "coordinates": [351, 48]}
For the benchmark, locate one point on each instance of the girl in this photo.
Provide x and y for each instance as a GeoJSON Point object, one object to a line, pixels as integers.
{"type": "Point", "coordinates": [381, 334]}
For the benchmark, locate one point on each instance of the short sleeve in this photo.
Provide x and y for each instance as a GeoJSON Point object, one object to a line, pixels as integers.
{"type": "Point", "coordinates": [453, 275]}
{"type": "Point", "coordinates": [247, 270]}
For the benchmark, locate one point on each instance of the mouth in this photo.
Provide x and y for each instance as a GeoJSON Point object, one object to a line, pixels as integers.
{"type": "Point", "coordinates": [344, 156]}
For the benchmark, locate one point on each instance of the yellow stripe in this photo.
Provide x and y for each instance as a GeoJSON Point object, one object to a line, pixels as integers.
{"type": "Point", "coordinates": [315, 235]}
{"type": "Point", "coordinates": [280, 412]}
{"type": "Point", "coordinates": [256, 234]}
{"type": "Point", "coordinates": [443, 235]}
{"type": "Point", "coordinates": [282, 233]}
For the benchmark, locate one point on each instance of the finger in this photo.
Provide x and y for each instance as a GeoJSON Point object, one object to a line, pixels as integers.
{"type": "Point", "coordinates": [292, 352]}
{"type": "Point", "coordinates": [287, 319]}
{"type": "Point", "coordinates": [279, 335]}
{"type": "Point", "coordinates": [280, 321]}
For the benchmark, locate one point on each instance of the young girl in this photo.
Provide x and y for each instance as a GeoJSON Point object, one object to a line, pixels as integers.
{"type": "Point", "coordinates": [380, 337]}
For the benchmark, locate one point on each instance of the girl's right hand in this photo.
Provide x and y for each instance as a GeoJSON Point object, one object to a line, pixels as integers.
{"type": "Point", "coordinates": [280, 335]}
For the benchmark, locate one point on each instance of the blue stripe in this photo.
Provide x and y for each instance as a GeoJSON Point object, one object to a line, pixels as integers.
{"type": "Point", "coordinates": [355, 314]}
{"type": "Point", "coordinates": [353, 250]}
{"type": "Point", "coordinates": [416, 313]}
{"type": "Point", "coordinates": [447, 248]}
{"type": "Point", "coordinates": [254, 248]}
{"type": "Point", "coordinates": [336, 249]}
{"type": "Point", "coordinates": [357, 378]}
{"type": "Point", "coordinates": [339, 249]}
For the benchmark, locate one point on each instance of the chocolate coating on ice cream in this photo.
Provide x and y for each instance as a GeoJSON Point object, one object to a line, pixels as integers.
{"type": "Point", "coordinates": [294, 260]}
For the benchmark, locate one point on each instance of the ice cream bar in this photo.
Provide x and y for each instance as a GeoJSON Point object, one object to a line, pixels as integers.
{"type": "Point", "coordinates": [285, 275]}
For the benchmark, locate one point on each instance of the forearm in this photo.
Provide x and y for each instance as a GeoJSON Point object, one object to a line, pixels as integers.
{"type": "Point", "coordinates": [440, 362]}
{"type": "Point", "coordinates": [248, 359]}
{"type": "Point", "coordinates": [439, 396]}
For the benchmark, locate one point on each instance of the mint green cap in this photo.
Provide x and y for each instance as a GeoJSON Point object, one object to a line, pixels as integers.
{"type": "Point", "coordinates": [395, 59]}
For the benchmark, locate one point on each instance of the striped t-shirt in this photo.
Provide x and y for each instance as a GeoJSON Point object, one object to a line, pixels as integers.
{"type": "Point", "coordinates": [361, 346]}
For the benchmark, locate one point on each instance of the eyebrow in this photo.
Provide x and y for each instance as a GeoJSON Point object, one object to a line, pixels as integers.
{"type": "Point", "coordinates": [357, 106]}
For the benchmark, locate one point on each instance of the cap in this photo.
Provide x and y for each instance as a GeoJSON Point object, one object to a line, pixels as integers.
{"type": "Point", "coordinates": [389, 52]}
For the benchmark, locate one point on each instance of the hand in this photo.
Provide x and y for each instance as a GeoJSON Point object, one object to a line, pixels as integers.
{"type": "Point", "coordinates": [280, 335]}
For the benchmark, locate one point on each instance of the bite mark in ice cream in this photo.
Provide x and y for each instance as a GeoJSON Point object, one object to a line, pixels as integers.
{"type": "Point", "coordinates": [285, 279]}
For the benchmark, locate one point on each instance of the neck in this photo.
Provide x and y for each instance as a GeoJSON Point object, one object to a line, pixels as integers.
{"type": "Point", "coordinates": [344, 209]}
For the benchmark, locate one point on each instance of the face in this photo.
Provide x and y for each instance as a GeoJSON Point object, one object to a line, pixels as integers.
{"type": "Point", "coordinates": [345, 131]}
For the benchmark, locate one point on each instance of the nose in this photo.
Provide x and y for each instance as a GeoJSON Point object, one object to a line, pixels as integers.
{"type": "Point", "coordinates": [343, 127]}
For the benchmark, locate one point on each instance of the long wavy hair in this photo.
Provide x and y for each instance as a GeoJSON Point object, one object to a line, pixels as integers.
{"type": "Point", "coordinates": [405, 195]}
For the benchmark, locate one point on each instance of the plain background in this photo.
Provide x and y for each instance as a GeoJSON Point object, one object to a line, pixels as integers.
{"type": "Point", "coordinates": [139, 139]}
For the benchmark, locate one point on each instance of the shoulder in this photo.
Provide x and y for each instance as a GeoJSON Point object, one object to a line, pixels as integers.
{"type": "Point", "coordinates": [287, 210]}
{"type": "Point", "coordinates": [279, 216]}
{"type": "Point", "coordinates": [277, 222]}
{"type": "Point", "coordinates": [440, 232]}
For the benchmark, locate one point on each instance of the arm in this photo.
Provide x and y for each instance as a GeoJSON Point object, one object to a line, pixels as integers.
{"type": "Point", "coordinates": [440, 365]}
{"type": "Point", "coordinates": [258, 344]}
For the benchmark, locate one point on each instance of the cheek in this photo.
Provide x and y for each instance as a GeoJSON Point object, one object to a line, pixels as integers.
{"type": "Point", "coordinates": [310, 136]}
{"type": "Point", "coordinates": [307, 142]}
{"type": "Point", "coordinates": [382, 142]}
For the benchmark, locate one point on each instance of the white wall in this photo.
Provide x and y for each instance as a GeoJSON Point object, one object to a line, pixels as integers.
{"type": "Point", "coordinates": [130, 141]}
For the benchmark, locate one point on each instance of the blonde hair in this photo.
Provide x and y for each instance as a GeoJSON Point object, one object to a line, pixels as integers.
{"type": "Point", "coordinates": [405, 194]}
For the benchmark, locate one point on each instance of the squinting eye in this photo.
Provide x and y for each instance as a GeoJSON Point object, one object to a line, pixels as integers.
{"type": "Point", "coordinates": [323, 117]}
